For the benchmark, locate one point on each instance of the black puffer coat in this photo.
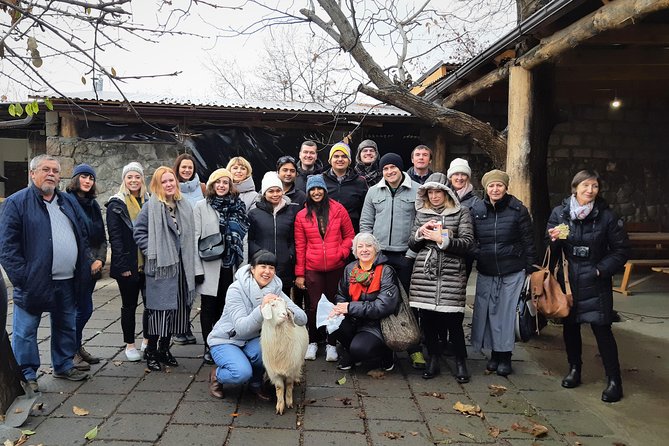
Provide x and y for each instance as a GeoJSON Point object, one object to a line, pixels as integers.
{"type": "Point", "coordinates": [350, 192]}
{"type": "Point", "coordinates": [124, 252]}
{"type": "Point", "coordinates": [503, 236]}
{"type": "Point", "coordinates": [608, 250]}
{"type": "Point", "coordinates": [276, 234]}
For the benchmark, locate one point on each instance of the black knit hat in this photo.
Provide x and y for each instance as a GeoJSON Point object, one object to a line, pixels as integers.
{"type": "Point", "coordinates": [391, 158]}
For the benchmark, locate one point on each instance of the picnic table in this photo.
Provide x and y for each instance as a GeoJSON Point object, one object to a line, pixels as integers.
{"type": "Point", "coordinates": [658, 240]}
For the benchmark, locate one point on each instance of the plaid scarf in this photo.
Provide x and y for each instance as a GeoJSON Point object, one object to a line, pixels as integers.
{"type": "Point", "coordinates": [233, 223]}
{"type": "Point", "coordinates": [370, 173]}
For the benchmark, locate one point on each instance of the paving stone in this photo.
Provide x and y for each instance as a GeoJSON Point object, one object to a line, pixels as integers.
{"type": "Point", "coordinates": [188, 351]}
{"type": "Point", "coordinates": [582, 422]}
{"type": "Point", "coordinates": [330, 397]}
{"type": "Point", "coordinates": [49, 402]}
{"type": "Point", "coordinates": [561, 399]}
{"type": "Point", "coordinates": [441, 403]}
{"type": "Point", "coordinates": [103, 352]}
{"type": "Point", "coordinates": [124, 369]}
{"type": "Point", "coordinates": [150, 402]}
{"type": "Point", "coordinates": [506, 420]}
{"type": "Point", "coordinates": [576, 440]}
{"type": "Point", "coordinates": [450, 427]}
{"type": "Point", "coordinates": [146, 427]}
{"type": "Point", "coordinates": [381, 408]}
{"type": "Point", "coordinates": [333, 438]}
{"type": "Point", "coordinates": [106, 340]}
{"type": "Point", "coordinates": [99, 407]}
{"type": "Point", "coordinates": [47, 383]}
{"type": "Point", "coordinates": [110, 314]}
{"type": "Point", "coordinates": [509, 402]}
{"type": "Point", "coordinates": [534, 442]}
{"type": "Point", "coordinates": [443, 384]}
{"type": "Point", "coordinates": [63, 431]}
{"type": "Point", "coordinates": [255, 413]}
{"type": "Point", "coordinates": [535, 382]}
{"type": "Point", "coordinates": [109, 384]}
{"type": "Point", "coordinates": [323, 374]}
{"type": "Point", "coordinates": [390, 386]}
{"type": "Point", "coordinates": [333, 419]}
{"type": "Point", "coordinates": [98, 324]}
{"type": "Point", "coordinates": [411, 433]}
{"type": "Point", "coordinates": [176, 434]}
{"type": "Point", "coordinates": [199, 391]}
{"type": "Point", "coordinates": [485, 379]}
{"type": "Point", "coordinates": [204, 412]}
{"type": "Point", "coordinates": [245, 437]}
{"type": "Point", "coordinates": [169, 382]}
{"type": "Point", "coordinates": [189, 366]}
{"type": "Point", "coordinates": [119, 443]}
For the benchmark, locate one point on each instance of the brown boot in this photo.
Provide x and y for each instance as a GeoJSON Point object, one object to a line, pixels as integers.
{"type": "Point", "coordinates": [215, 388]}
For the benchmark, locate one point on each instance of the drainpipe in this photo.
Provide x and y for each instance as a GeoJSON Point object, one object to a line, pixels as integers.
{"type": "Point", "coordinates": [12, 123]}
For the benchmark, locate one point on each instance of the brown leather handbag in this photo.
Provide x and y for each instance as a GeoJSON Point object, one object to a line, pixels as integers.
{"type": "Point", "coordinates": [547, 293]}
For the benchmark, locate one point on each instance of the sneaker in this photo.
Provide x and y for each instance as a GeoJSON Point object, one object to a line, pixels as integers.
{"type": "Point", "coordinates": [88, 357]}
{"type": "Point", "coordinates": [331, 353]}
{"type": "Point", "coordinates": [80, 364]}
{"type": "Point", "coordinates": [132, 354]}
{"type": "Point", "coordinates": [72, 375]}
{"type": "Point", "coordinates": [33, 385]}
{"type": "Point", "coordinates": [418, 360]}
{"type": "Point", "coordinates": [145, 342]}
{"type": "Point", "coordinates": [310, 355]}
{"type": "Point", "coordinates": [180, 339]}
{"type": "Point", "coordinates": [388, 364]}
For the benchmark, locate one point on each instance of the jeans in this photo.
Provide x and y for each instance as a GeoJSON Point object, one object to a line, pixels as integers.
{"type": "Point", "coordinates": [237, 365]}
{"type": "Point", "coordinates": [84, 312]}
{"type": "Point", "coordinates": [63, 333]}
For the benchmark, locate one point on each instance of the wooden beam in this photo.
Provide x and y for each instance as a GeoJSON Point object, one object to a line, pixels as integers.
{"type": "Point", "coordinates": [640, 34]}
{"type": "Point", "coordinates": [473, 89]}
{"type": "Point", "coordinates": [518, 146]}
{"type": "Point", "coordinates": [653, 56]}
{"type": "Point", "coordinates": [612, 73]}
{"type": "Point", "coordinates": [612, 16]}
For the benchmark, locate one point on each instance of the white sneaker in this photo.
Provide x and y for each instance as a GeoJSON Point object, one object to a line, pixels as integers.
{"type": "Point", "coordinates": [132, 354]}
{"type": "Point", "coordinates": [331, 353]}
{"type": "Point", "coordinates": [145, 342]}
{"type": "Point", "coordinates": [310, 355]}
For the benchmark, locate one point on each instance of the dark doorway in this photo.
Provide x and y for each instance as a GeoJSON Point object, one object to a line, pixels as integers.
{"type": "Point", "coordinates": [17, 176]}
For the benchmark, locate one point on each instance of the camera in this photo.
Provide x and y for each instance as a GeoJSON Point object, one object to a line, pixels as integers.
{"type": "Point", "coordinates": [582, 252]}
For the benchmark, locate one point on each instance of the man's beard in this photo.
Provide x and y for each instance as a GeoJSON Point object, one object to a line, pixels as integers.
{"type": "Point", "coordinates": [47, 190]}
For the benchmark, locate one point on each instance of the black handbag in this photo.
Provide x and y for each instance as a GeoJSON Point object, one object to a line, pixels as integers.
{"type": "Point", "coordinates": [528, 320]}
{"type": "Point", "coordinates": [211, 247]}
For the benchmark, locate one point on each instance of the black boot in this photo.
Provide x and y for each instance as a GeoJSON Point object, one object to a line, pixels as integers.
{"type": "Point", "coordinates": [461, 372]}
{"type": "Point", "coordinates": [504, 367]}
{"type": "Point", "coordinates": [433, 369]}
{"type": "Point", "coordinates": [206, 358]}
{"type": "Point", "coordinates": [493, 362]}
{"type": "Point", "coordinates": [573, 377]}
{"type": "Point", "coordinates": [614, 389]}
{"type": "Point", "coordinates": [151, 356]}
{"type": "Point", "coordinates": [164, 354]}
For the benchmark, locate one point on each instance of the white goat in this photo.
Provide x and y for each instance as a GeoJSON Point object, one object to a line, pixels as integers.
{"type": "Point", "coordinates": [283, 345]}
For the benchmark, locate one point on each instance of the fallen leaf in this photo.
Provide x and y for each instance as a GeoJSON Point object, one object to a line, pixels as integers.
{"type": "Point", "coordinates": [497, 390]}
{"type": "Point", "coordinates": [443, 430]}
{"type": "Point", "coordinates": [117, 363]}
{"type": "Point", "coordinates": [439, 395]}
{"type": "Point", "coordinates": [8, 443]}
{"type": "Point", "coordinates": [494, 431]}
{"type": "Point", "coordinates": [468, 409]}
{"type": "Point", "coordinates": [79, 411]}
{"type": "Point", "coordinates": [146, 370]}
{"type": "Point", "coordinates": [414, 433]}
{"type": "Point", "coordinates": [22, 439]}
{"type": "Point", "coordinates": [537, 430]}
{"type": "Point", "coordinates": [38, 406]}
{"type": "Point", "coordinates": [27, 432]}
{"type": "Point", "coordinates": [578, 443]}
{"type": "Point", "coordinates": [392, 435]}
{"type": "Point", "coordinates": [377, 374]}
{"type": "Point", "coordinates": [341, 381]}
{"type": "Point", "coordinates": [234, 415]}
{"type": "Point", "coordinates": [346, 401]}
{"type": "Point", "coordinates": [548, 373]}
{"type": "Point", "coordinates": [18, 410]}
{"type": "Point", "coordinates": [91, 434]}
{"type": "Point", "coordinates": [468, 435]}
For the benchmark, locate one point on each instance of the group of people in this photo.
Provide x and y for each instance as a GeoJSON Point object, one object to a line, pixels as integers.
{"type": "Point", "coordinates": [359, 234]}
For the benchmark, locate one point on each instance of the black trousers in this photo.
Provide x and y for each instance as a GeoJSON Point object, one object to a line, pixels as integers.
{"type": "Point", "coordinates": [361, 345]}
{"type": "Point", "coordinates": [211, 307]}
{"type": "Point", "coordinates": [437, 325]}
{"type": "Point", "coordinates": [606, 343]}
{"type": "Point", "coordinates": [130, 291]}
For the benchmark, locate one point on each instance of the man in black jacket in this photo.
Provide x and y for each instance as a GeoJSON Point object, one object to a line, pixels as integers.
{"type": "Point", "coordinates": [286, 169]}
{"type": "Point", "coordinates": [308, 164]}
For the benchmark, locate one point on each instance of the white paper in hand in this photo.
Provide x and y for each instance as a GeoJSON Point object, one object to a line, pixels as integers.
{"type": "Point", "coordinates": [323, 315]}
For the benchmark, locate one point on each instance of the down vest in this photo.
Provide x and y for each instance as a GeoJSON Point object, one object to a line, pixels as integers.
{"type": "Point", "coordinates": [504, 237]}
{"type": "Point", "coordinates": [316, 253]}
{"type": "Point", "coordinates": [439, 278]}
{"type": "Point", "coordinates": [608, 250]}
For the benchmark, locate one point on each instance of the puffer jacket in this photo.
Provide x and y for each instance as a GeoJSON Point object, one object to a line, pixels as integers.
{"type": "Point", "coordinates": [241, 319]}
{"type": "Point", "coordinates": [124, 251]}
{"type": "Point", "coordinates": [389, 217]}
{"type": "Point", "coordinates": [504, 237]}
{"type": "Point", "coordinates": [350, 192]}
{"type": "Point", "coordinates": [316, 253]}
{"type": "Point", "coordinates": [371, 308]}
{"type": "Point", "coordinates": [275, 233]}
{"type": "Point", "coordinates": [439, 278]}
{"type": "Point", "coordinates": [608, 249]}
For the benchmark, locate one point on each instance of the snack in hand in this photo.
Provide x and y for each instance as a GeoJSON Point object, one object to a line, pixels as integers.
{"type": "Point", "coordinates": [563, 231]}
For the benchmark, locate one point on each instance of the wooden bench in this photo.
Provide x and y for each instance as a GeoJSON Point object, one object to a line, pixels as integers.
{"type": "Point", "coordinates": [625, 285]}
{"type": "Point", "coordinates": [660, 269]}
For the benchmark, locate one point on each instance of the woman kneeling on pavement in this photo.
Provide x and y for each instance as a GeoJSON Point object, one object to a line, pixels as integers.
{"type": "Point", "coordinates": [442, 235]}
{"type": "Point", "coordinates": [367, 293]}
{"type": "Point", "coordinates": [234, 341]}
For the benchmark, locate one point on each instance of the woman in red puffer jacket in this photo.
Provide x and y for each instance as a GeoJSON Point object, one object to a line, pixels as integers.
{"type": "Point", "coordinates": [323, 239]}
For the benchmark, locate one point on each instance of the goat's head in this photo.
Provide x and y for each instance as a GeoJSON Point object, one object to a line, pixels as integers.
{"type": "Point", "coordinates": [276, 311]}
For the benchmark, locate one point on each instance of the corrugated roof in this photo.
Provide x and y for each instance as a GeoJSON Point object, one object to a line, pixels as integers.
{"type": "Point", "coordinates": [376, 109]}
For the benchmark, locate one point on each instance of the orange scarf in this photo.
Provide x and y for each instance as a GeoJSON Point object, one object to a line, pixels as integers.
{"type": "Point", "coordinates": [357, 287]}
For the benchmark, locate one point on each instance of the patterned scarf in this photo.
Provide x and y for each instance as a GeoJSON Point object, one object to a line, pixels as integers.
{"type": "Point", "coordinates": [464, 191]}
{"type": "Point", "coordinates": [361, 281]}
{"type": "Point", "coordinates": [370, 173]}
{"type": "Point", "coordinates": [233, 223]}
{"type": "Point", "coordinates": [577, 211]}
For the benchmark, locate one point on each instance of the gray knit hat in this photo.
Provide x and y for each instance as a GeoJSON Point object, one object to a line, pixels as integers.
{"type": "Point", "coordinates": [132, 167]}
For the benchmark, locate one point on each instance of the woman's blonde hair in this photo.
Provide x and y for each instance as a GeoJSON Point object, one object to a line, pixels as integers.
{"type": "Point", "coordinates": [240, 160]}
{"type": "Point", "coordinates": [448, 202]}
{"type": "Point", "coordinates": [123, 190]}
{"type": "Point", "coordinates": [156, 186]}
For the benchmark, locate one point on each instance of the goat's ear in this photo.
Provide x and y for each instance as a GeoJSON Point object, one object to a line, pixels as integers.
{"type": "Point", "coordinates": [266, 311]}
{"type": "Point", "coordinates": [289, 315]}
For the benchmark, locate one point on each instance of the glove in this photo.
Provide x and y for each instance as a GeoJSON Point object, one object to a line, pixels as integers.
{"type": "Point", "coordinates": [199, 279]}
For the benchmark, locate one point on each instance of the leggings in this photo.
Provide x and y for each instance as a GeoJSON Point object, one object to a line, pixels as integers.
{"type": "Point", "coordinates": [130, 291]}
{"type": "Point", "coordinates": [606, 343]}
{"type": "Point", "coordinates": [212, 306]}
{"type": "Point", "coordinates": [320, 283]}
{"type": "Point", "coordinates": [437, 325]}
{"type": "Point", "coordinates": [361, 345]}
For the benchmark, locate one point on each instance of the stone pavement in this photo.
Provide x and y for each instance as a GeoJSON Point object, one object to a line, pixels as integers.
{"type": "Point", "coordinates": [133, 407]}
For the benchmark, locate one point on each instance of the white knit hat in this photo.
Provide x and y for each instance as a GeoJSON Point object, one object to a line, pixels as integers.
{"type": "Point", "coordinates": [459, 165]}
{"type": "Point", "coordinates": [271, 179]}
{"type": "Point", "coordinates": [134, 167]}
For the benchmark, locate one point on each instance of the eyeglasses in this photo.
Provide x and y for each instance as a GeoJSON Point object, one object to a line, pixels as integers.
{"type": "Point", "coordinates": [284, 160]}
{"type": "Point", "coordinates": [55, 170]}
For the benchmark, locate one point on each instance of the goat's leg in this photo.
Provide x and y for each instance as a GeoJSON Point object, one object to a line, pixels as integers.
{"type": "Point", "coordinates": [289, 392]}
{"type": "Point", "coordinates": [280, 405]}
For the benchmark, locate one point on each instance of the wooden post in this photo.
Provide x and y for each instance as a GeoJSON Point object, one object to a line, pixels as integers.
{"type": "Point", "coordinates": [520, 123]}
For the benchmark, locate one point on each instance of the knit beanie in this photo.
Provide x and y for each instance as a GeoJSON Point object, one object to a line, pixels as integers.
{"type": "Point", "coordinates": [391, 158]}
{"type": "Point", "coordinates": [315, 181]}
{"type": "Point", "coordinates": [218, 174]}
{"type": "Point", "coordinates": [340, 147]}
{"type": "Point", "coordinates": [495, 175]}
{"type": "Point", "coordinates": [83, 168]}
{"type": "Point", "coordinates": [271, 179]}
{"type": "Point", "coordinates": [132, 167]}
{"type": "Point", "coordinates": [459, 165]}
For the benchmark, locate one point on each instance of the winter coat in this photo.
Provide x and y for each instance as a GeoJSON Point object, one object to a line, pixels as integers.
{"type": "Point", "coordinates": [241, 319]}
{"type": "Point", "coordinates": [275, 233]}
{"type": "Point", "coordinates": [418, 178]}
{"type": "Point", "coordinates": [97, 239]}
{"type": "Point", "coordinates": [206, 224]}
{"type": "Point", "coordinates": [368, 311]}
{"type": "Point", "coordinates": [316, 253]}
{"type": "Point", "coordinates": [504, 237]}
{"type": "Point", "coordinates": [608, 249]}
{"type": "Point", "coordinates": [350, 192]}
{"type": "Point", "coordinates": [124, 251]}
{"type": "Point", "coordinates": [247, 193]}
{"type": "Point", "coordinates": [469, 200]}
{"type": "Point", "coordinates": [297, 196]}
{"type": "Point", "coordinates": [439, 278]}
{"type": "Point", "coordinates": [302, 175]}
{"type": "Point", "coordinates": [192, 190]}
{"type": "Point", "coordinates": [26, 250]}
{"type": "Point", "coordinates": [389, 217]}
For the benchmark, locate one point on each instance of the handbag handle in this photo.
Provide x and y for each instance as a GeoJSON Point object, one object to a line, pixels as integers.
{"type": "Point", "coordinates": [565, 268]}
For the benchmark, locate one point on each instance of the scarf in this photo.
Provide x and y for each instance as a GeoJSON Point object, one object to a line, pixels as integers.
{"type": "Point", "coordinates": [233, 224]}
{"type": "Point", "coordinates": [577, 211]}
{"type": "Point", "coordinates": [370, 172]}
{"type": "Point", "coordinates": [94, 223]}
{"type": "Point", "coordinates": [464, 191]}
{"type": "Point", "coordinates": [134, 206]}
{"type": "Point", "coordinates": [364, 281]}
{"type": "Point", "coordinates": [162, 254]}
{"type": "Point", "coordinates": [192, 189]}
